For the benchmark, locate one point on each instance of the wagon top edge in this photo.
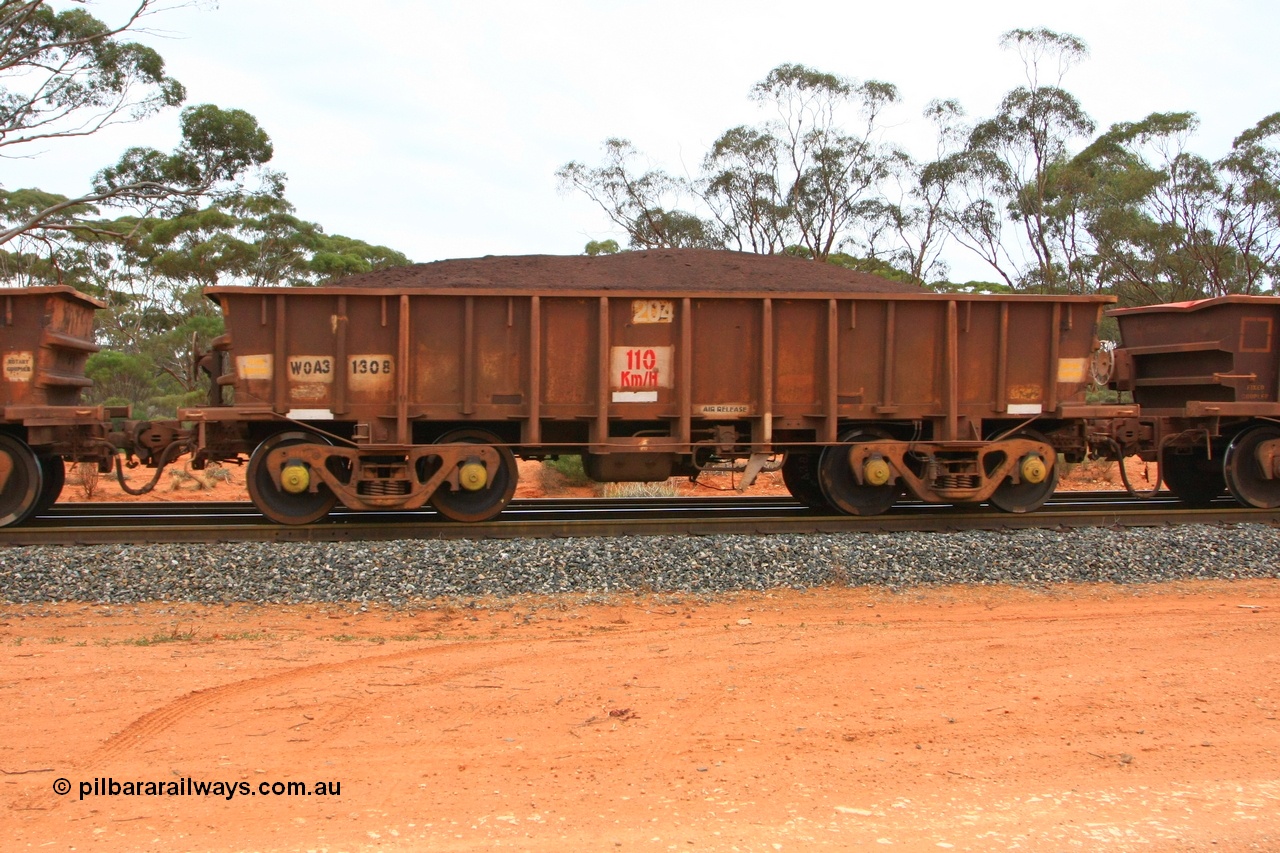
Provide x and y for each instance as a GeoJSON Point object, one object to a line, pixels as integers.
{"type": "Point", "coordinates": [623, 292]}
{"type": "Point", "coordinates": [1194, 305]}
{"type": "Point", "coordinates": [54, 289]}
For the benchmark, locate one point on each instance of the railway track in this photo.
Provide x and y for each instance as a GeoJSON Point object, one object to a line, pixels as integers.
{"type": "Point", "coordinates": [145, 523]}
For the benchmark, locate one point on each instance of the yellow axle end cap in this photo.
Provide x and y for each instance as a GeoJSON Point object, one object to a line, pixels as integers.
{"type": "Point", "coordinates": [876, 472]}
{"type": "Point", "coordinates": [1033, 469]}
{"type": "Point", "coordinates": [295, 478]}
{"type": "Point", "coordinates": [473, 477]}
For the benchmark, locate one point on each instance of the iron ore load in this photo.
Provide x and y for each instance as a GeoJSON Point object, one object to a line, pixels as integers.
{"type": "Point", "coordinates": [423, 385]}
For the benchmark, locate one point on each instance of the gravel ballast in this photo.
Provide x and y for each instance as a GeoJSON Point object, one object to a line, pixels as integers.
{"type": "Point", "coordinates": [402, 571]}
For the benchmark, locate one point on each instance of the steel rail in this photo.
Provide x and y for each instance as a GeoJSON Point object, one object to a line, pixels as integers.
{"type": "Point", "coordinates": [145, 523]}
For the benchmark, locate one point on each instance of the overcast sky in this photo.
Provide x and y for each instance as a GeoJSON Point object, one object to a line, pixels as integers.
{"type": "Point", "coordinates": [436, 127]}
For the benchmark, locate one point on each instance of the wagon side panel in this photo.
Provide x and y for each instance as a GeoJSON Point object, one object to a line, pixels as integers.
{"type": "Point", "coordinates": [799, 361]}
{"type": "Point", "coordinates": [438, 356]}
{"type": "Point", "coordinates": [1223, 351]}
{"type": "Point", "coordinates": [496, 366]}
{"type": "Point", "coordinates": [725, 358]}
{"type": "Point", "coordinates": [570, 348]}
{"type": "Point", "coordinates": [46, 338]}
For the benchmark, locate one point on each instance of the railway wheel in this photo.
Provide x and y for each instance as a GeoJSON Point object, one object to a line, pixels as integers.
{"type": "Point", "coordinates": [1036, 481]}
{"type": "Point", "coordinates": [1193, 477]}
{"type": "Point", "coordinates": [478, 497]}
{"type": "Point", "coordinates": [22, 488]}
{"type": "Point", "coordinates": [841, 488]}
{"type": "Point", "coordinates": [1243, 472]}
{"type": "Point", "coordinates": [800, 475]}
{"type": "Point", "coordinates": [293, 502]}
{"type": "Point", "coordinates": [54, 471]}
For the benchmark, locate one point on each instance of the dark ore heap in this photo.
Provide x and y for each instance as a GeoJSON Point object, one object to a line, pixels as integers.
{"type": "Point", "coordinates": [665, 270]}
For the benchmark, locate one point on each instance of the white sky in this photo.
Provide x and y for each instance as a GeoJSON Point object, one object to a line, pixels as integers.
{"type": "Point", "coordinates": [436, 127]}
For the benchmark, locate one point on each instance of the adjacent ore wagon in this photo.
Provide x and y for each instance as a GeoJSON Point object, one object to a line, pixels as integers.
{"type": "Point", "coordinates": [424, 384]}
{"type": "Point", "coordinates": [46, 335]}
{"type": "Point", "coordinates": [1206, 376]}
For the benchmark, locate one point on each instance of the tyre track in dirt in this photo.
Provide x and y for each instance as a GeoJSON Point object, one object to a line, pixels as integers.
{"type": "Point", "coordinates": [154, 722]}
{"type": "Point", "coordinates": [157, 721]}
{"type": "Point", "coordinates": [974, 717]}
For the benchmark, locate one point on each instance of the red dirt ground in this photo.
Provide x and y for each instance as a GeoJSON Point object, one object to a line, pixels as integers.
{"type": "Point", "coordinates": [1073, 718]}
{"type": "Point", "coordinates": [956, 718]}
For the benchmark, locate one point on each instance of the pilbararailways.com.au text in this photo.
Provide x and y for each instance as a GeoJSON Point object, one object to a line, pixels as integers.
{"type": "Point", "coordinates": [188, 787]}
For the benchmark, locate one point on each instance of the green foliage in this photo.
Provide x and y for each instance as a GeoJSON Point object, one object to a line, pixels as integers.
{"type": "Point", "coordinates": [642, 204]}
{"type": "Point", "coordinates": [75, 75]}
{"type": "Point", "coordinates": [874, 266]}
{"type": "Point", "coordinates": [601, 247]}
{"type": "Point", "coordinates": [1008, 165]}
{"type": "Point", "coordinates": [1030, 189]}
{"type": "Point", "coordinates": [798, 179]}
{"type": "Point", "coordinates": [217, 147]}
{"type": "Point", "coordinates": [152, 271]}
{"type": "Point", "coordinates": [121, 377]}
{"type": "Point", "coordinates": [67, 74]}
{"type": "Point", "coordinates": [992, 287]}
{"type": "Point", "coordinates": [569, 469]}
{"type": "Point", "coordinates": [1162, 224]}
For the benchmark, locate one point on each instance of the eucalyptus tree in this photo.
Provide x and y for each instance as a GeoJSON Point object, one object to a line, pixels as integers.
{"type": "Point", "coordinates": [1170, 225]}
{"type": "Point", "coordinates": [742, 187]}
{"type": "Point", "coordinates": [915, 218]}
{"type": "Point", "coordinates": [1008, 164]}
{"type": "Point", "coordinates": [1250, 176]}
{"type": "Point", "coordinates": [810, 176]}
{"type": "Point", "coordinates": [152, 227]}
{"type": "Point", "coordinates": [802, 179]}
{"type": "Point", "coordinates": [65, 75]}
{"type": "Point", "coordinates": [643, 203]}
{"type": "Point", "coordinates": [152, 273]}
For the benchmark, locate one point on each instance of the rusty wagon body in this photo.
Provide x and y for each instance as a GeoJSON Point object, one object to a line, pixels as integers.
{"type": "Point", "coordinates": [418, 387]}
{"type": "Point", "coordinates": [390, 397]}
{"type": "Point", "coordinates": [46, 336]}
{"type": "Point", "coordinates": [1206, 376]}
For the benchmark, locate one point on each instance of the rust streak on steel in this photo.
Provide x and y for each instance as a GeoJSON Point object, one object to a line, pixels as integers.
{"type": "Point", "coordinates": [602, 372]}
{"type": "Point", "coordinates": [469, 355]}
{"type": "Point", "coordinates": [533, 428]}
{"type": "Point", "coordinates": [830, 427]}
{"type": "Point", "coordinates": [890, 328]}
{"type": "Point", "coordinates": [685, 357]}
{"type": "Point", "coordinates": [340, 358]}
{"type": "Point", "coordinates": [951, 379]}
{"type": "Point", "coordinates": [402, 374]}
{"type": "Point", "coordinates": [1001, 403]}
{"type": "Point", "coordinates": [279, 380]}
{"type": "Point", "coordinates": [1055, 346]}
{"type": "Point", "coordinates": [765, 421]}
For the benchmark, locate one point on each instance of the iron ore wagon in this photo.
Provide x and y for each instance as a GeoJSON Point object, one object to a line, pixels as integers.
{"type": "Point", "coordinates": [46, 336]}
{"type": "Point", "coordinates": [1206, 376]}
{"type": "Point", "coordinates": [424, 384]}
